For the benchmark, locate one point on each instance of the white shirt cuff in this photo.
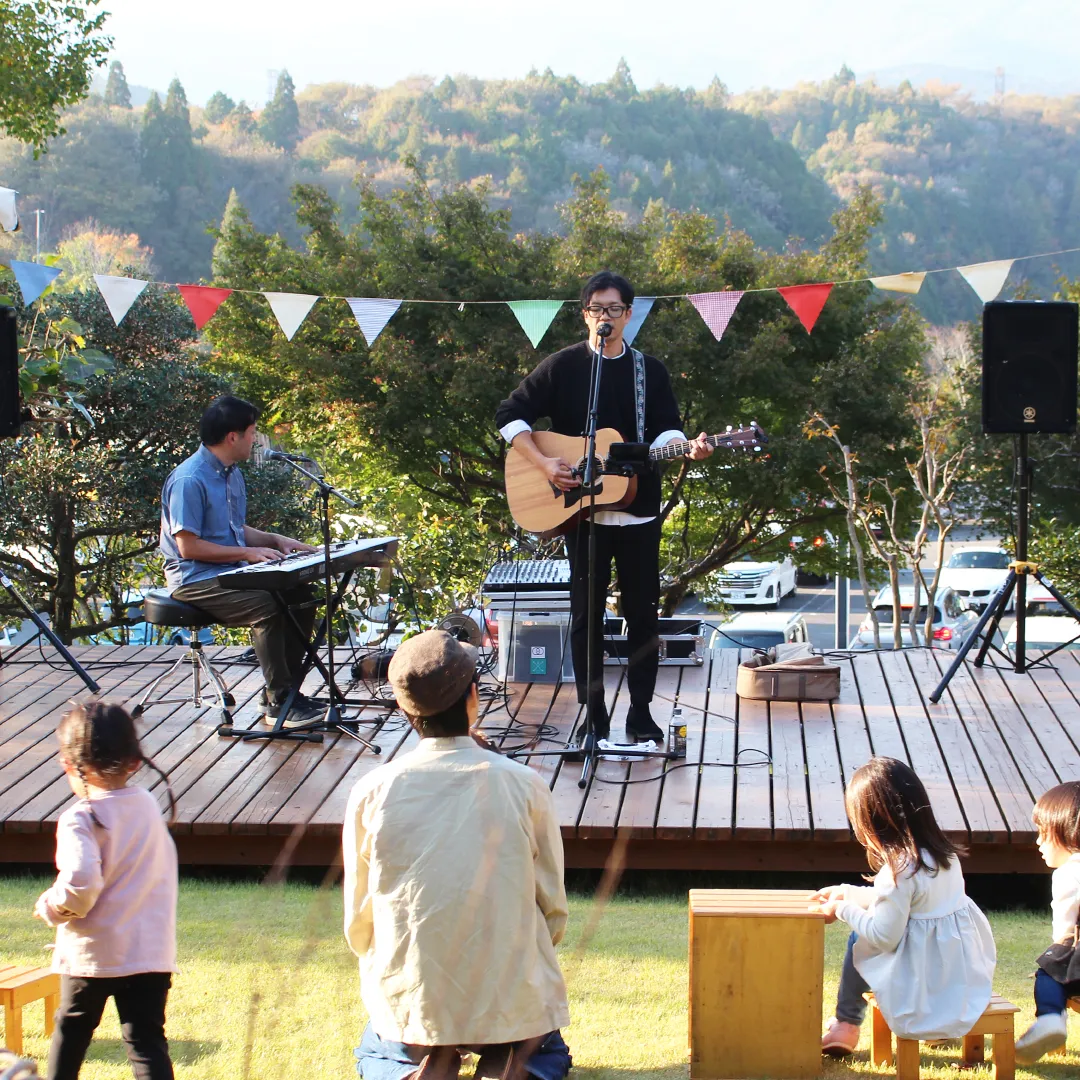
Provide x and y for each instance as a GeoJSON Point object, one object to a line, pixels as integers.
{"type": "Point", "coordinates": [662, 439]}
{"type": "Point", "coordinates": [513, 429]}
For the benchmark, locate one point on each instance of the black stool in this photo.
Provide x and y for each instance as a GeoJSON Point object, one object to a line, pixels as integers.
{"type": "Point", "coordinates": [160, 609]}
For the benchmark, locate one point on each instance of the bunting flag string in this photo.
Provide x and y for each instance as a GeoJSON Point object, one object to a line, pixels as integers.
{"type": "Point", "coordinates": [372, 315]}
{"type": "Point", "coordinates": [290, 310]}
{"type": "Point", "coordinates": [904, 283]}
{"type": "Point", "coordinates": [806, 301]}
{"type": "Point", "coordinates": [716, 308]}
{"type": "Point", "coordinates": [639, 312]}
{"type": "Point", "coordinates": [33, 278]}
{"type": "Point", "coordinates": [203, 301]}
{"type": "Point", "coordinates": [987, 279]}
{"type": "Point", "coordinates": [535, 316]}
{"type": "Point", "coordinates": [119, 293]}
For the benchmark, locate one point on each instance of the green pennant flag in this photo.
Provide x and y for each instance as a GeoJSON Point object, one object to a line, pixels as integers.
{"type": "Point", "coordinates": [535, 316]}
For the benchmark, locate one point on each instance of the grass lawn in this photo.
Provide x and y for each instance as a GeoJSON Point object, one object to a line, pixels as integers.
{"type": "Point", "coordinates": [268, 989]}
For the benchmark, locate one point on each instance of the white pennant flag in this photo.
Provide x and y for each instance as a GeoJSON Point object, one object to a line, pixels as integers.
{"type": "Point", "coordinates": [987, 279]}
{"type": "Point", "coordinates": [372, 315]}
{"type": "Point", "coordinates": [290, 309]}
{"type": "Point", "coordinates": [119, 293]}
{"type": "Point", "coordinates": [909, 283]}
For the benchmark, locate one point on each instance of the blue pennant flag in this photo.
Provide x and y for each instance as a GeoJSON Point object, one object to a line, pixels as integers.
{"type": "Point", "coordinates": [33, 279]}
{"type": "Point", "coordinates": [640, 312]}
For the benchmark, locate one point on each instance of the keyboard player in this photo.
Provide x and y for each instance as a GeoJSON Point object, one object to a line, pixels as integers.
{"type": "Point", "coordinates": [204, 532]}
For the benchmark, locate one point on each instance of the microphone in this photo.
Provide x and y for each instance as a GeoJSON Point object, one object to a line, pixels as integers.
{"type": "Point", "coordinates": [280, 455]}
{"type": "Point", "coordinates": [604, 330]}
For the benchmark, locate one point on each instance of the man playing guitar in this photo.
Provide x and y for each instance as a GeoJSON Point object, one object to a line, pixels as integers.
{"type": "Point", "coordinates": [636, 399]}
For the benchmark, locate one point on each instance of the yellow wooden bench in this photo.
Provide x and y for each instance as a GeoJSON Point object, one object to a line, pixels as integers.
{"type": "Point", "coordinates": [18, 987]}
{"type": "Point", "coordinates": [1060, 1051]}
{"type": "Point", "coordinates": [998, 1021]}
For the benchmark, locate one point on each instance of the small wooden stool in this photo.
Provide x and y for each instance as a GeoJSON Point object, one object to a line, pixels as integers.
{"type": "Point", "coordinates": [997, 1021]}
{"type": "Point", "coordinates": [1060, 1051]}
{"type": "Point", "coordinates": [18, 987]}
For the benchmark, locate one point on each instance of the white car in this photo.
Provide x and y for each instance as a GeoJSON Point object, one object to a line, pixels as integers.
{"type": "Point", "coordinates": [1045, 632]}
{"type": "Point", "coordinates": [976, 574]}
{"type": "Point", "coordinates": [953, 620]}
{"type": "Point", "coordinates": [753, 582]}
{"type": "Point", "coordinates": [760, 630]}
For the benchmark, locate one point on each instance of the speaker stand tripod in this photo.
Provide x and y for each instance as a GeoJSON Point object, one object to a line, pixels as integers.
{"type": "Point", "coordinates": [1015, 583]}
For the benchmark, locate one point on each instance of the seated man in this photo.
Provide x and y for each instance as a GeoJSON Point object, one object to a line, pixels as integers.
{"type": "Point", "coordinates": [454, 896]}
{"type": "Point", "coordinates": [203, 532]}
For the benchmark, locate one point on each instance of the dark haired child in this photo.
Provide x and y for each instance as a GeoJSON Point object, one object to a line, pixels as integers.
{"type": "Point", "coordinates": [1057, 817]}
{"type": "Point", "coordinates": [114, 899]}
{"type": "Point", "coordinates": [918, 941]}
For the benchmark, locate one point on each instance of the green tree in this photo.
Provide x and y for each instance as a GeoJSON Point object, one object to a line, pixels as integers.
{"type": "Point", "coordinates": [48, 50]}
{"type": "Point", "coordinates": [280, 121]}
{"type": "Point", "coordinates": [116, 87]}
{"type": "Point", "coordinates": [219, 107]}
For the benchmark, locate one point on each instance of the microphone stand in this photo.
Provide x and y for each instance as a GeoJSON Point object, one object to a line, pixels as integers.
{"type": "Point", "coordinates": [333, 719]}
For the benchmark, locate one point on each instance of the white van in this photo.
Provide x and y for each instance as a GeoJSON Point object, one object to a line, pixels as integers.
{"type": "Point", "coordinates": [760, 630]}
{"type": "Point", "coordinates": [1045, 632]}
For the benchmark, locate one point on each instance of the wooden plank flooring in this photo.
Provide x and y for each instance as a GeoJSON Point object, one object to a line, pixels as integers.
{"type": "Point", "coordinates": [762, 785]}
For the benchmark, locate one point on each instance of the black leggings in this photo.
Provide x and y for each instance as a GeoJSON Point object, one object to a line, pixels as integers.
{"type": "Point", "coordinates": [140, 1003]}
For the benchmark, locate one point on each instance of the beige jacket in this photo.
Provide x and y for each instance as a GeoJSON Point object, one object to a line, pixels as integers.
{"type": "Point", "coordinates": [454, 897]}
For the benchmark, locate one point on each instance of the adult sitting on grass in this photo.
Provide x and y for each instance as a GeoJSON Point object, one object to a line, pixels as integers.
{"type": "Point", "coordinates": [454, 897]}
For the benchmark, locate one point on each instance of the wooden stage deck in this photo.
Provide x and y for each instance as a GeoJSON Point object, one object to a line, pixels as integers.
{"type": "Point", "coordinates": [994, 743]}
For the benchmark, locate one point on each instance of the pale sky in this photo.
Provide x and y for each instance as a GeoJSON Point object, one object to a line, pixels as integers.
{"type": "Point", "coordinates": [231, 45]}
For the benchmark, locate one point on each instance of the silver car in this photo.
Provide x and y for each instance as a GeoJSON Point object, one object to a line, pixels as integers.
{"type": "Point", "coordinates": [953, 620]}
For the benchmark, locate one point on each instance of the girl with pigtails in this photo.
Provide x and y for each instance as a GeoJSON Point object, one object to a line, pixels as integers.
{"type": "Point", "coordinates": [113, 903]}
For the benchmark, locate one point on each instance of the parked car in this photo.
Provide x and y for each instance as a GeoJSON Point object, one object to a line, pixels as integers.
{"type": "Point", "coordinates": [760, 630]}
{"type": "Point", "coordinates": [1045, 632]}
{"type": "Point", "coordinates": [755, 582]}
{"type": "Point", "coordinates": [953, 620]}
{"type": "Point", "coordinates": [976, 574]}
{"type": "Point", "coordinates": [1039, 600]}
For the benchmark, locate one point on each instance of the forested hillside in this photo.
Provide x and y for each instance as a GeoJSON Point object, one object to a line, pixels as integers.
{"type": "Point", "coordinates": [961, 182]}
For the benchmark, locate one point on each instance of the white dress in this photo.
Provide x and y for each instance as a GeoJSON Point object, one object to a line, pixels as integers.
{"type": "Point", "coordinates": [925, 950]}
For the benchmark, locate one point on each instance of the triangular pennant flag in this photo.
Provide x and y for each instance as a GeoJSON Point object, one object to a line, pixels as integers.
{"type": "Point", "coordinates": [987, 279]}
{"type": "Point", "coordinates": [33, 278]}
{"type": "Point", "coordinates": [716, 308]}
{"type": "Point", "coordinates": [202, 301]}
{"type": "Point", "coordinates": [905, 283]}
{"type": "Point", "coordinates": [535, 316]}
{"type": "Point", "coordinates": [119, 293]}
{"type": "Point", "coordinates": [639, 313]}
{"type": "Point", "coordinates": [290, 309]}
{"type": "Point", "coordinates": [372, 315]}
{"type": "Point", "coordinates": [806, 301]}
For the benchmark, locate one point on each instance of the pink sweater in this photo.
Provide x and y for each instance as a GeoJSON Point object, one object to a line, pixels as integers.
{"type": "Point", "coordinates": [114, 900]}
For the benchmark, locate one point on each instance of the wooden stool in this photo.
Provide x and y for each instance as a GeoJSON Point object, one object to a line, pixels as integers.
{"type": "Point", "coordinates": [18, 987]}
{"type": "Point", "coordinates": [997, 1021]}
{"type": "Point", "coordinates": [1060, 1051]}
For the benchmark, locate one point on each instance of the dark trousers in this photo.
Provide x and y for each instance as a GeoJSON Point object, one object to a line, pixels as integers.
{"type": "Point", "coordinates": [278, 647]}
{"type": "Point", "coordinates": [850, 1003]}
{"type": "Point", "coordinates": [1052, 996]}
{"type": "Point", "coordinates": [140, 1003]}
{"type": "Point", "coordinates": [635, 550]}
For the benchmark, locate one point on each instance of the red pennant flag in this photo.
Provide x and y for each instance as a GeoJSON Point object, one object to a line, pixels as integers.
{"type": "Point", "coordinates": [202, 301]}
{"type": "Point", "coordinates": [806, 301]}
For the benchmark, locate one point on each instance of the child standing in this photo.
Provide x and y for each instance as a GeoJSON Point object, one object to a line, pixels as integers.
{"type": "Point", "coordinates": [114, 899]}
{"type": "Point", "coordinates": [1057, 817]}
{"type": "Point", "coordinates": [918, 941]}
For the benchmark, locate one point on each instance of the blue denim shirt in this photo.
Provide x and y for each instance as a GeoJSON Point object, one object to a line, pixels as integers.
{"type": "Point", "coordinates": [203, 497]}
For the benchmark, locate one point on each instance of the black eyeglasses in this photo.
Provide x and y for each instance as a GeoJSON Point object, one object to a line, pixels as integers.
{"type": "Point", "coordinates": [610, 311]}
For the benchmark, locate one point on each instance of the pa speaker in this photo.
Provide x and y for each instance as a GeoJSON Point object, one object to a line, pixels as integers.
{"type": "Point", "coordinates": [1029, 367]}
{"type": "Point", "coordinates": [9, 374]}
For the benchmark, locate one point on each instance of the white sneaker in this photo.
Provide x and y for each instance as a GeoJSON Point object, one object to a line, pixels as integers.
{"type": "Point", "coordinates": [1047, 1033]}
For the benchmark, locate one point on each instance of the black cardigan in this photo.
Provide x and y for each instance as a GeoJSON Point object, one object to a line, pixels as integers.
{"type": "Point", "coordinates": [558, 388]}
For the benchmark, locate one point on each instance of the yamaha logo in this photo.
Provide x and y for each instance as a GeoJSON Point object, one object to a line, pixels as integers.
{"type": "Point", "coordinates": [1029, 414]}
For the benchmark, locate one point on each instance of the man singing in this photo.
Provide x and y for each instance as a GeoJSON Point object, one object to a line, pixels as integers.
{"type": "Point", "coordinates": [203, 532]}
{"type": "Point", "coordinates": [635, 392]}
{"type": "Point", "coordinates": [454, 897]}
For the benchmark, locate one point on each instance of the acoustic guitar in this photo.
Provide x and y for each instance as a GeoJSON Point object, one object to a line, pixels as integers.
{"type": "Point", "coordinates": [538, 506]}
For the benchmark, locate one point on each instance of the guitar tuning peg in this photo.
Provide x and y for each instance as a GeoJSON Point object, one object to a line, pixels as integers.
{"type": "Point", "coordinates": [729, 427]}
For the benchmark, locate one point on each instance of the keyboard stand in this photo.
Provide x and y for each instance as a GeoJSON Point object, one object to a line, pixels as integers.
{"type": "Point", "coordinates": [312, 660]}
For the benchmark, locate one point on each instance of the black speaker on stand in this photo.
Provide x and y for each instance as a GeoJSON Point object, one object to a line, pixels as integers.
{"type": "Point", "coordinates": [1029, 388]}
{"type": "Point", "coordinates": [10, 409]}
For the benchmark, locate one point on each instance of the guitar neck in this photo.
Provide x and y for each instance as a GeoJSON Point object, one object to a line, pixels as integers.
{"type": "Point", "coordinates": [681, 447]}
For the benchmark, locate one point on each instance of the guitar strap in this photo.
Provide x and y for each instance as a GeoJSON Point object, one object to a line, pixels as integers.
{"type": "Point", "coordinates": [639, 392]}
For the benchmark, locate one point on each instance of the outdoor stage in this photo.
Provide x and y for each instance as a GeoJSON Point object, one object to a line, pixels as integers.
{"type": "Point", "coordinates": [996, 741]}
